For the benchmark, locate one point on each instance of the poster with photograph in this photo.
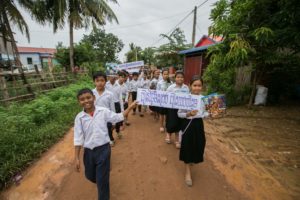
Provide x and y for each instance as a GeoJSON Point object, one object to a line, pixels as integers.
{"type": "Point", "coordinates": [215, 104]}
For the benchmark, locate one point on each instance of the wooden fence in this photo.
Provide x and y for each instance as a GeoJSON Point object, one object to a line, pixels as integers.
{"type": "Point", "coordinates": [12, 87]}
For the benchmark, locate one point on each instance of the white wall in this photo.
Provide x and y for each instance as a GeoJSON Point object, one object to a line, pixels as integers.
{"type": "Point", "coordinates": [35, 60]}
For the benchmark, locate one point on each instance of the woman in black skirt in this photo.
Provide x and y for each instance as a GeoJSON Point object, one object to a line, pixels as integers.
{"type": "Point", "coordinates": [153, 85]}
{"type": "Point", "coordinates": [173, 122]}
{"type": "Point", "coordinates": [163, 85]}
{"type": "Point", "coordinates": [193, 138]}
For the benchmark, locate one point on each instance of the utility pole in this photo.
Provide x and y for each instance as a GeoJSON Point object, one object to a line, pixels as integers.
{"type": "Point", "coordinates": [194, 26]}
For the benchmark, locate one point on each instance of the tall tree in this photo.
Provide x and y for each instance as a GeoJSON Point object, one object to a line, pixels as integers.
{"type": "Point", "coordinates": [167, 54]}
{"type": "Point", "coordinates": [148, 55]}
{"type": "Point", "coordinates": [79, 14]}
{"type": "Point", "coordinates": [134, 53]}
{"type": "Point", "coordinates": [106, 46]}
{"type": "Point", "coordinates": [11, 16]}
{"type": "Point", "coordinates": [263, 34]}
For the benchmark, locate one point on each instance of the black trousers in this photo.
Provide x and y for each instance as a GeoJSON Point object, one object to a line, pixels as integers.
{"type": "Point", "coordinates": [97, 168]}
{"type": "Point", "coordinates": [118, 110]}
{"type": "Point", "coordinates": [134, 95]}
{"type": "Point", "coordinates": [110, 132]}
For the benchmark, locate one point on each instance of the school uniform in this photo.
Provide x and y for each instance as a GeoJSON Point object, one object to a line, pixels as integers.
{"type": "Point", "coordinates": [134, 85]}
{"type": "Point", "coordinates": [105, 100]}
{"type": "Point", "coordinates": [91, 133]}
{"type": "Point", "coordinates": [145, 83]}
{"type": "Point", "coordinates": [193, 139]}
{"type": "Point", "coordinates": [117, 97]}
{"type": "Point", "coordinates": [153, 85]}
{"type": "Point", "coordinates": [173, 122]}
{"type": "Point", "coordinates": [124, 93]}
{"type": "Point", "coordinates": [162, 85]}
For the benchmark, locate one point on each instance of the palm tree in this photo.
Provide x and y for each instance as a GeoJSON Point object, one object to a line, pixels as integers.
{"type": "Point", "coordinates": [79, 13]}
{"type": "Point", "coordinates": [10, 15]}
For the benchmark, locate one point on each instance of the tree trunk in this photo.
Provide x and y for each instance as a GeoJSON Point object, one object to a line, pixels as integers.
{"type": "Point", "coordinates": [251, 99]}
{"type": "Point", "coordinates": [71, 47]}
{"type": "Point", "coordinates": [17, 57]}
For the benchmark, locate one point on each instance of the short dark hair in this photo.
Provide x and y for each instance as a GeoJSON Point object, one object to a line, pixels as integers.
{"type": "Point", "coordinates": [179, 72]}
{"type": "Point", "coordinates": [122, 73]}
{"type": "Point", "coordinates": [99, 74]}
{"type": "Point", "coordinates": [126, 72]}
{"type": "Point", "coordinates": [135, 74]}
{"type": "Point", "coordinates": [84, 91]}
{"type": "Point", "coordinates": [196, 78]}
{"type": "Point", "coordinates": [165, 70]}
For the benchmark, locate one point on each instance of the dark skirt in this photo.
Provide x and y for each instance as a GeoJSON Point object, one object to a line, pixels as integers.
{"type": "Point", "coordinates": [162, 111]}
{"type": "Point", "coordinates": [193, 141]}
{"type": "Point", "coordinates": [173, 122]}
{"type": "Point", "coordinates": [153, 108]}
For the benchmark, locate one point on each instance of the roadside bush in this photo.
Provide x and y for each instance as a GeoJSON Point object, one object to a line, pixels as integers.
{"type": "Point", "coordinates": [27, 130]}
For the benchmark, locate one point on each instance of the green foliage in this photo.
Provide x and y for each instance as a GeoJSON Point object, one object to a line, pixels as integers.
{"type": "Point", "coordinates": [258, 33]}
{"type": "Point", "coordinates": [93, 67]}
{"type": "Point", "coordinates": [93, 51]}
{"type": "Point", "coordinates": [167, 54]}
{"type": "Point", "coordinates": [148, 55]}
{"type": "Point", "coordinates": [105, 46]}
{"type": "Point", "coordinates": [134, 54]}
{"type": "Point", "coordinates": [28, 130]}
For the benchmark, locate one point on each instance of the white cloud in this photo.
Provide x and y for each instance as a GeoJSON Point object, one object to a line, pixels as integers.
{"type": "Point", "coordinates": [130, 12]}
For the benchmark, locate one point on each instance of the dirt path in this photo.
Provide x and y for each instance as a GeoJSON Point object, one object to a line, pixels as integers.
{"type": "Point", "coordinates": [143, 167]}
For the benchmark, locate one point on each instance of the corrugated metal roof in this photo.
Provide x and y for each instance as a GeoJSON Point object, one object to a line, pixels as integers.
{"type": "Point", "coordinates": [197, 49]}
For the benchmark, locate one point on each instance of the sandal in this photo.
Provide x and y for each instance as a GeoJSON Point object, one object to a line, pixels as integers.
{"type": "Point", "coordinates": [189, 182]}
{"type": "Point", "coordinates": [168, 140]}
{"type": "Point", "coordinates": [177, 145]}
{"type": "Point", "coordinates": [127, 123]}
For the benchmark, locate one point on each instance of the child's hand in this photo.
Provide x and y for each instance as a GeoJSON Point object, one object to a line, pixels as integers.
{"type": "Point", "coordinates": [193, 113]}
{"type": "Point", "coordinates": [77, 165]}
{"type": "Point", "coordinates": [133, 105]}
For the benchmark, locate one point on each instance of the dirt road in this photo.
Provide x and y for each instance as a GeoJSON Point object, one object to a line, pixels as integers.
{"type": "Point", "coordinates": [143, 167]}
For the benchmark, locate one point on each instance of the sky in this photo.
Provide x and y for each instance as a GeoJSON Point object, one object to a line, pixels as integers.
{"type": "Point", "coordinates": [140, 22]}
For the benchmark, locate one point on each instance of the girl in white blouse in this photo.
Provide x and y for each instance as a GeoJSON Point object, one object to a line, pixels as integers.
{"type": "Point", "coordinates": [163, 85]}
{"type": "Point", "coordinates": [193, 138]}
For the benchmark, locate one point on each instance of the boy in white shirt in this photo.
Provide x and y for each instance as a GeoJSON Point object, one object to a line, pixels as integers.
{"type": "Point", "coordinates": [114, 87]}
{"type": "Point", "coordinates": [134, 85]}
{"type": "Point", "coordinates": [104, 98]}
{"type": "Point", "coordinates": [90, 132]}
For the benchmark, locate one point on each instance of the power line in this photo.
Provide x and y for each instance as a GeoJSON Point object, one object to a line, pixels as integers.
{"type": "Point", "coordinates": [126, 26]}
{"type": "Point", "coordinates": [180, 22]}
{"type": "Point", "coordinates": [202, 4]}
{"type": "Point", "coordinates": [132, 25]}
{"type": "Point", "coordinates": [173, 28]}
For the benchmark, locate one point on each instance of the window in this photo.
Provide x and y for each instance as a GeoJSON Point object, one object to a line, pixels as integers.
{"type": "Point", "coordinates": [29, 61]}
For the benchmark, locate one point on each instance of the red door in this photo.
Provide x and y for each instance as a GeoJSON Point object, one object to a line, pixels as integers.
{"type": "Point", "coordinates": [192, 66]}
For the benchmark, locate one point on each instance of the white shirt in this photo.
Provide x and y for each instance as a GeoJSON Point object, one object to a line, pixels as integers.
{"type": "Point", "coordinates": [183, 89]}
{"type": "Point", "coordinates": [106, 99]}
{"type": "Point", "coordinates": [91, 132]}
{"type": "Point", "coordinates": [114, 88]}
{"type": "Point", "coordinates": [153, 83]}
{"type": "Point", "coordinates": [134, 85]}
{"type": "Point", "coordinates": [145, 83]}
{"type": "Point", "coordinates": [162, 85]}
{"type": "Point", "coordinates": [124, 91]}
{"type": "Point", "coordinates": [202, 113]}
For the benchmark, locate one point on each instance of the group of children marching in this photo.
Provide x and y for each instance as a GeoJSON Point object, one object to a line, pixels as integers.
{"type": "Point", "coordinates": [106, 108]}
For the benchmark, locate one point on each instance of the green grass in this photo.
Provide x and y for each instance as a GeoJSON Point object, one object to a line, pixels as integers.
{"type": "Point", "coordinates": [27, 130]}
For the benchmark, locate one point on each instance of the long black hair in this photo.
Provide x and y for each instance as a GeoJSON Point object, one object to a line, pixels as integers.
{"type": "Point", "coordinates": [196, 78]}
{"type": "Point", "coordinates": [166, 70]}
